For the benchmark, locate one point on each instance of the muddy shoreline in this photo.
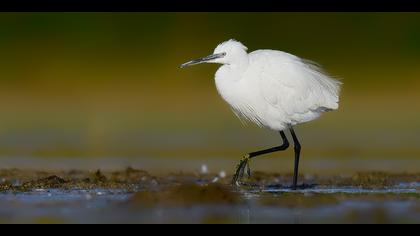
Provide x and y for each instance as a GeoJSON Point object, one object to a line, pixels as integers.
{"type": "Point", "coordinates": [135, 196]}
{"type": "Point", "coordinates": [20, 180]}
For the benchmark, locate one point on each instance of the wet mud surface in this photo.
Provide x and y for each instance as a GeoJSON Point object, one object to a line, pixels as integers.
{"type": "Point", "coordinates": [135, 196]}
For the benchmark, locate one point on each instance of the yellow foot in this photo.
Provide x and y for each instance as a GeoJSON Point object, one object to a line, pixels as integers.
{"type": "Point", "coordinates": [240, 169]}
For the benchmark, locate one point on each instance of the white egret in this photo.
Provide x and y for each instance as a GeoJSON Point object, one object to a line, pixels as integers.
{"type": "Point", "coordinates": [272, 89]}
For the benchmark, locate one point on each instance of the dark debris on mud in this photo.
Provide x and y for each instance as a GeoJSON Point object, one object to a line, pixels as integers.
{"type": "Point", "coordinates": [27, 180]}
{"type": "Point", "coordinates": [182, 188]}
{"type": "Point", "coordinates": [144, 192]}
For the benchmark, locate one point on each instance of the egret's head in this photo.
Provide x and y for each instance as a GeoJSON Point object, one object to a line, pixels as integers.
{"type": "Point", "coordinates": [225, 53]}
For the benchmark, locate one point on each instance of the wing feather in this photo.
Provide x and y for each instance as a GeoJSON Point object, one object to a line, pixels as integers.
{"type": "Point", "coordinates": [294, 85]}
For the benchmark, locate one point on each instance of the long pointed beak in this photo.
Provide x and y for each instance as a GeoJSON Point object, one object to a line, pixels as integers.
{"type": "Point", "coordinates": [202, 60]}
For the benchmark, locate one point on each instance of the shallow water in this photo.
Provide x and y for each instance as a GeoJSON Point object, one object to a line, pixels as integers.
{"type": "Point", "coordinates": [397, 203]}
{"type": "Point", "coordinates": [401, 188]}
{"type": "Point", "coordinates": [99, 206]}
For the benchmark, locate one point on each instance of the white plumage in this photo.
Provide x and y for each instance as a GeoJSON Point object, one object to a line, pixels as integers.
{"type": "Point", "coordinates": [272, 88]}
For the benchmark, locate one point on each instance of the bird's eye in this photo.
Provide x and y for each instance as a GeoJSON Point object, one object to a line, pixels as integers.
{"type": "Point", "coordinates": [223, 53]}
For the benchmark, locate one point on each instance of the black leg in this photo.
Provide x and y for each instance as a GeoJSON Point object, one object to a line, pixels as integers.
{"type": "Point", "coordinates": [283, 147]}
{"type": "Point", "coordinates": [297, 156]}
{"type": "Point", "coordinates": [245, 160]}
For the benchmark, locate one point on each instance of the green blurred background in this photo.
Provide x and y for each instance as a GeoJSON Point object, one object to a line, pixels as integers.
{"type": "Point", "coordinates": [103, 90]}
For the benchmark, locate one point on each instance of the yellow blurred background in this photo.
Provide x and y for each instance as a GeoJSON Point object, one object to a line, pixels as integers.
{"type": "Point", "coordinates": [100, 87]}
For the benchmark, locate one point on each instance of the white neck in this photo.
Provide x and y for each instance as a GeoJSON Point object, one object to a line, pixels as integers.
{"type": "Point", "coordinates": [236, 68]}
